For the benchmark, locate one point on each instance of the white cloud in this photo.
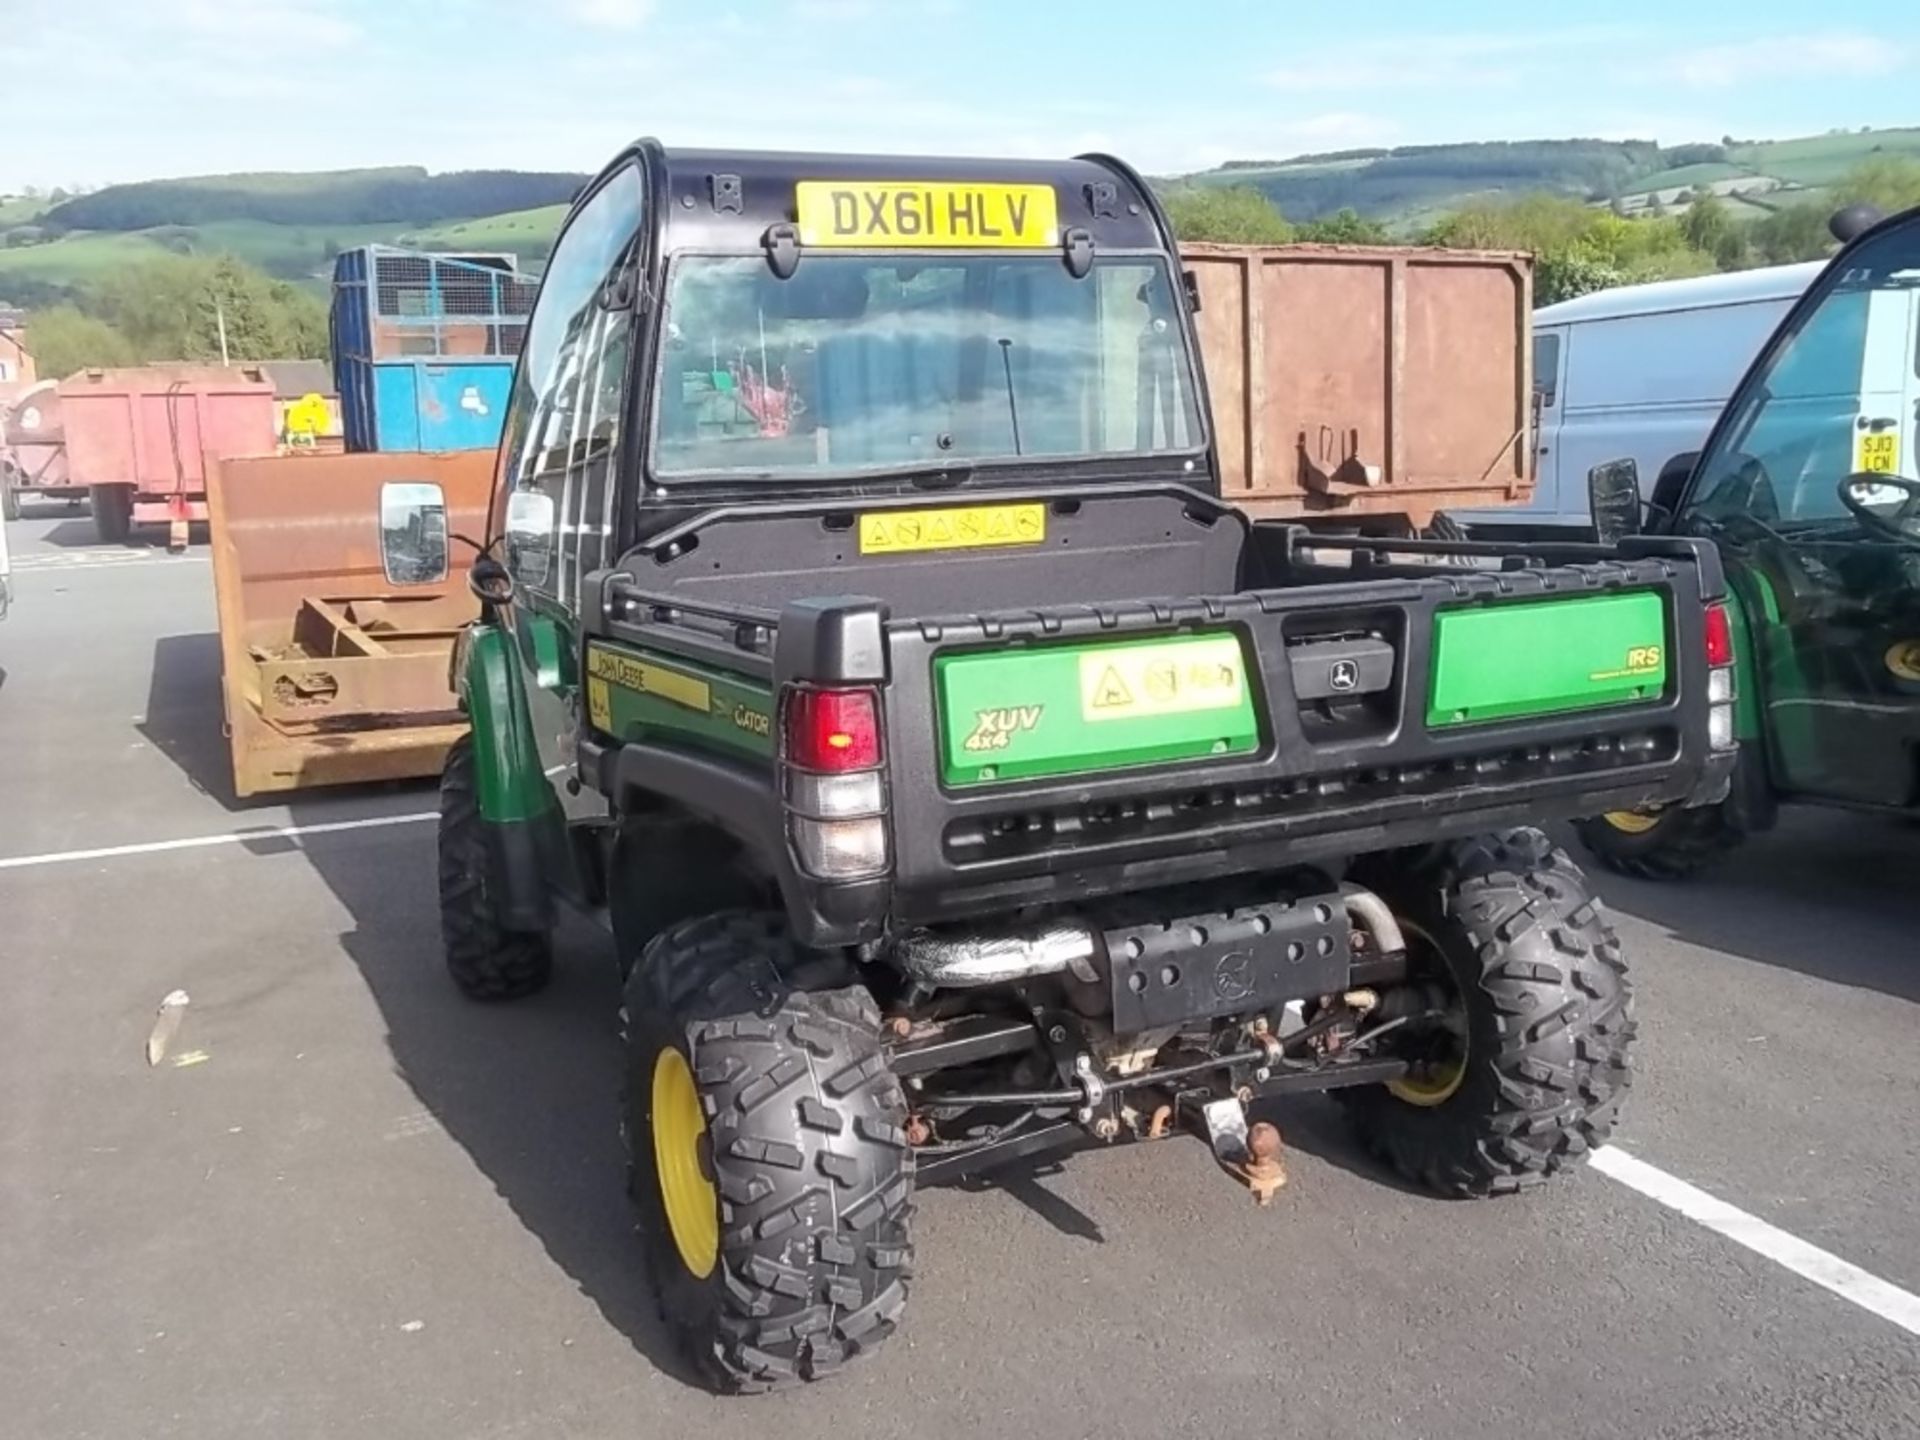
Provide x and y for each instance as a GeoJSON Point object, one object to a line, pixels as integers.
{"type": "Point", "coordinates": [1809, 57]}
{"type": "Point", "coordinates": [611, 14]}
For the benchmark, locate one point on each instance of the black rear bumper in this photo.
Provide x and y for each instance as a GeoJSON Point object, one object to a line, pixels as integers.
{"type": "Point", "coordinates": [1308, 795]}
{"type": "Point", "coordinates": [1305, 796]}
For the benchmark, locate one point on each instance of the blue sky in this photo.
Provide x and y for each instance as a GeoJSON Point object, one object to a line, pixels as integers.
{"type": "Point", "coordinates": [134, 89]}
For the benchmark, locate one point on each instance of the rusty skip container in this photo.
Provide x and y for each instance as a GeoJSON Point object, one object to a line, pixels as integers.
{"type": "Point", "coordinates": [1365, 385]}
{"type": "Point", "coordinates": [138, 438]}
{"type": "Point", "coordinates": [330, 674]}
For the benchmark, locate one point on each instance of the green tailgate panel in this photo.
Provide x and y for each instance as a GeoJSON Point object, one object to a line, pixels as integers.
{"type": "Point", "coordinates": [1499, 662]}
{"type": "Point", "coordinates": [1074, 709]}
{"type": "Point", "coordinates": [633, 694]}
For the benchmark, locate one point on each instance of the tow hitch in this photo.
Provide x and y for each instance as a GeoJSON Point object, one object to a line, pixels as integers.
{"type": "Point", "coordinates": [1251, 1155]}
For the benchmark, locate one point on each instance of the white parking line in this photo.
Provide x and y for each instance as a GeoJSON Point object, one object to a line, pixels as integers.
{"type": "Point", "coordinates": [67, 564]}
{"type": "Point", "coordinates": [1810, 1262]}
{"type": "Point", "coordinates": [195, 842]}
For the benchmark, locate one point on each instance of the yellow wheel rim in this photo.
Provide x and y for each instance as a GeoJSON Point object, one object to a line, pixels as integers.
{"type": "Point", "coordinates": [1630, 822]}
{"type": "Point", "coordinates": [1433, 1084]}
{"type": "Point", "coordinates": [1437, 1086]}
{"type": "Point", "coordinates": [693, 1211]}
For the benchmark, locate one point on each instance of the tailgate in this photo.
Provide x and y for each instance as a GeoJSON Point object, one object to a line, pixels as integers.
{"type": "Point", "coordinates": [1328, 719]}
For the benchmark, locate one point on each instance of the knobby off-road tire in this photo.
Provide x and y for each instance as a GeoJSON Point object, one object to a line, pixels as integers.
{"type": "Point", "coordinates": [1675, 844]}
{"type": "Point", "coordinates": [803, 1144]}
{"type": "Point", "coordinates": [1549, 1015]}
{"type": "Point", "coordinates": [487, 960]}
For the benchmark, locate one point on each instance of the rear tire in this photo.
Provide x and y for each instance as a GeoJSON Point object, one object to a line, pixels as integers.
{"type": "Point", "coordinates": [796, 1219]}
{"type": "Point", "coordinates": [112, 512]}
{"type": "Point", "coordinates": [1670, 844]}
{"type": "Point", "coordinates": [1508, 923]}
{"type": "Point", "coordinates": [9, 502]}
{"type": "Point", "coordinates": [486, 960]}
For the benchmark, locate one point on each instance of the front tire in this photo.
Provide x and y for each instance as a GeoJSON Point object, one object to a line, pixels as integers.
{"type": "Point", "coordinates": [767, 1156]}
{"type": "Point", "coordinates": [1671, 844]}
{"type": "Point", "coordinates": [486, 960]}
{"type": "Point", "coordinates": [1507, 924]}
{"type": "Point", "coordinates": [9, 501]}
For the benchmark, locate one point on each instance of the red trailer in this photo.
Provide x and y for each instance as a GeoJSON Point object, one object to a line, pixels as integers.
{"type": "Point", "coordinates": [138, 439]}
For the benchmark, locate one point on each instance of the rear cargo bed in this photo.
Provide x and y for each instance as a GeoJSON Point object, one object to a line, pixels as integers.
{"type": "Point", "coordinates": [1344, 703]}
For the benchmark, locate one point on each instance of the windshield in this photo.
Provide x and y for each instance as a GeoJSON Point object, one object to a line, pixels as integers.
{"type": "Point", "coordinates": [860, 362]}
{"type": "Point", "coordinates": [1839, 397]}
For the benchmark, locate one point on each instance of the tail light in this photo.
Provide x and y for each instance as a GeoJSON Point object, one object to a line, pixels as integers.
{"type": "Point", "coordinates": [833, 758]}
{"type": "Point", "coordinates": [1720, 684]}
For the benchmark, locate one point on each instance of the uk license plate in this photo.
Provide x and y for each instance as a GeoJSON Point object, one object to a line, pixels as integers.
{"type": "Point", "coordinates": [927, 213]}
{"type": "Point", "coordinates": [1879, 454]}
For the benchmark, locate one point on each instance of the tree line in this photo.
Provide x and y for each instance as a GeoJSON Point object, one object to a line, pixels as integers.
{"type": "Point", "coordinates": [402, 194]}
{"type": "Point", "coordinates": [173, 308]}
{"type": "Point", "coordinates": [1577, 247]}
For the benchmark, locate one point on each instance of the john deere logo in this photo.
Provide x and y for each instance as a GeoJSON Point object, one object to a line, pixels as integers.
{"type": "Point", "coordinates": [1344, 675]}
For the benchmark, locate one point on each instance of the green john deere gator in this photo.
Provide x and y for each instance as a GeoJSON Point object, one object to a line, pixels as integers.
{"type": "Point", "coordinates": [863, 635]}
{"type": "Point", "coordinates": [1809, 487]}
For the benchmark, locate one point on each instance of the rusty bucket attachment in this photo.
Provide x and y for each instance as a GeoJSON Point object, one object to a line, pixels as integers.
{"type": "Point", "coordinates": [331, 674]}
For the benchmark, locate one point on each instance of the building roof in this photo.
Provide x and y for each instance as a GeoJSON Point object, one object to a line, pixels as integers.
{"type": "Point", "coordinates": [1775, 282]}
{"type": "Point", "coordinates": [294, 378]}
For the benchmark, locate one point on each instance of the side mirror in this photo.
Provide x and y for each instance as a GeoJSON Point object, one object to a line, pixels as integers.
{"type": "Point", "coordinates": [529, 536]}
{"type": "Point", "coordinates": [1613, 500]}
{"type": "Point", "coordinates": [413, 532]}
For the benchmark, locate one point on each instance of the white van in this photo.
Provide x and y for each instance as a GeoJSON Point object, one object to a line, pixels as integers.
{"type": "Point", "coordinates": [1639, 372]}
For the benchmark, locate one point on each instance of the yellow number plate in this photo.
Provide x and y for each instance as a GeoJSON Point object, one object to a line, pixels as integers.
{"type": "Point", "coordinates": [1879, 454]}
{"type": "Point", "coordinates": [902, 532]}
{"type": "Point", "coordinates": [887, 217]}
{"type": "Point", "coordinates": [1162, 679]}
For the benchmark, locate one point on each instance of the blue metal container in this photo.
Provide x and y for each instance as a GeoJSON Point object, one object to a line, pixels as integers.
{"type": "Point", "coordinates": [423, 346]}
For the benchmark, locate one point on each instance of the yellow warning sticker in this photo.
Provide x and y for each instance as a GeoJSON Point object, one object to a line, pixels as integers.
{"type": "Point", "coordinates": [904, 532]}
{"type": "Point", "coordinates": [1162, 679]}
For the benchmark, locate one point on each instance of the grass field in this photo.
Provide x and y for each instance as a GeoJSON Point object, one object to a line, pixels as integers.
{"type": "Point", "coordinates": [77, 259]}
{"type": "Point", "coordinates": [521, 231]}
{"type": "Point", "coordinates": [1823, 159]}
{"type": "Point", "coordinates": [1685, 176]}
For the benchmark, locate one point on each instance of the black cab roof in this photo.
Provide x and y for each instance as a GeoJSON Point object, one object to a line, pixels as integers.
{"type": "Point", "coordinates": [728, 200]}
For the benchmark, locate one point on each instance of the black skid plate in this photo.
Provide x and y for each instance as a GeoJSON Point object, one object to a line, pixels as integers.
{"type": "Point", "coordinates": [1227, 963]}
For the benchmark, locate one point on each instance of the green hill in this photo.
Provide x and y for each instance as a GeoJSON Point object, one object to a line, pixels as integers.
{"type": "Point", "coordinates": [1412, 183]}
{"type": "Point", "coordinates": [292, 224]}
